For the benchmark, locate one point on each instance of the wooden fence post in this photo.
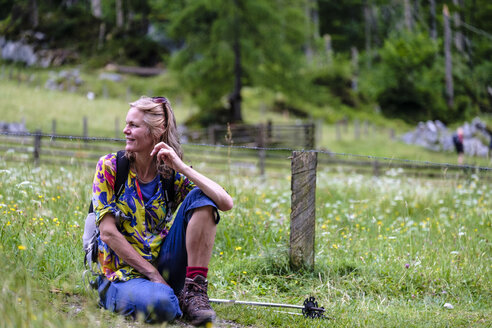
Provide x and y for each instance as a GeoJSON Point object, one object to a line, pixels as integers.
{"type": "Point", "coordinates": [338, 134]}
{"type": "Point", "coordinates": [261, 144]}
{"type": "Point", "coordinates": [392, 134]}
{"type": "Point", "coordinates": [375, 166]}
{"type": "Point", "coordinates": [86, 130]}
{"type": "Point", "coordinates": [116, 128]}
{"type": "Point", "coordinates": [269, 134]}
{"type": "Point", "coordinates": [37, 147]}
{"type": "Point", "coordinates": [53, 127]}
{"type": "Point", "coordinates": [211, 134]}
{"type": "Point", "coordinates": [309, 135]}
{"type": "Point", "coordinates": [128, 94]}
{"type": "Point", "coordinates": [302, 217]}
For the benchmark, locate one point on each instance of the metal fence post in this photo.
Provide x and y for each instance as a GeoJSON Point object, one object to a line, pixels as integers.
{"type": "Point", "coordinates": [302, 217]}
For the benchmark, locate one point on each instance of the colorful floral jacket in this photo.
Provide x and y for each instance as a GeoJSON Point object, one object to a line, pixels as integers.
{"type": "Point", "coordinates": [143, 225]}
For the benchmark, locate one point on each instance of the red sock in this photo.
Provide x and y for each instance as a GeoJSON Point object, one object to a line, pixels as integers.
{"type": "Point", "coordinates": [192, 272]}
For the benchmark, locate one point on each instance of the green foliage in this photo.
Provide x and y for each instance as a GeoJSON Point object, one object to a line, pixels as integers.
{"type": "Point", "coordinates": [482, 75]}
{"type": "Point", "coordinates": [402, 66]}
{"type": "Point", "coordinates": [408, 81]}
{"type": "Point", "coordinates": [342, 20]}
{"type": "Point", "coordinates": [335, 81]}
{"type": "Point", "coordinates": [268, 40]}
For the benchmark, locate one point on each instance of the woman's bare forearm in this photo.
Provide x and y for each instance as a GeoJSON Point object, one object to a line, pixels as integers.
{"type": "Point", "coordinates": [210, 188]}
{"type": "Point", "coordinates": [117, 242]}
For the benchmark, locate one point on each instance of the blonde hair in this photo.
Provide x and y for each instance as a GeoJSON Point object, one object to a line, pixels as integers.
{"type": "Point", "coordinates": [160, 120]}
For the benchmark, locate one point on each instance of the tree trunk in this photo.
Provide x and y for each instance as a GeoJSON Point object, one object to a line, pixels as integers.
{"type": "Point", "coordinates": [367, 30]}
{"type": "Point", "coordinates": [433, 31]}
{"type": "Point", "coordinates": [96, 8]}
{"type": "Point", "coordinates": [119, 14]}
{"type": "Point", "coordinates": [96, 11]}
{"type": "Point", "coordinates": [408, 15]}
{"type": "Point", "coordinates": [328, 48]}
{"type": "Point", "coordinates": [235, 97]}
{"type": "Point", "coordinates": [448, 58]}
{"type": "Point", "coordinates": [355, 67]}
{"type": "Point", "coordinates": [308, 50]}
{"type": "Point", "coordinates": [34, 13]}
{"type": "Point", "coordinates": [458, 35]}
{"type": "Point", "coordinates": [312, 28]}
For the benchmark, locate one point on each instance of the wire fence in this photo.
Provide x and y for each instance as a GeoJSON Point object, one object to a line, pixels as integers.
{"type": "Point", "coordinates": [44, 148]}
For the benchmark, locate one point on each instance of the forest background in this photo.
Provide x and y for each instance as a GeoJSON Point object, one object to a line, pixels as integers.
{"type": "Point", "coordinates": [391, 247]}
{"type": "Point", "coordinates": [322, 59]}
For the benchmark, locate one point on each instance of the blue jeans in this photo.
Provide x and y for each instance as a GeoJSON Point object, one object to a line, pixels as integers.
{"type": "Point", "coordinates": [153, 301]}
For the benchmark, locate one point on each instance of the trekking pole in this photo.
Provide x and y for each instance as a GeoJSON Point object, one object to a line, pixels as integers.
{"type": "Point", "coordinates": [310, 309]}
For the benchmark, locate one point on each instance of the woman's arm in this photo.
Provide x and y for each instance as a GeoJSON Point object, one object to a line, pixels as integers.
{"type": "Point", "coordinates": [117, 242]}
{"type": "Point", "coordinates": [209, 187]}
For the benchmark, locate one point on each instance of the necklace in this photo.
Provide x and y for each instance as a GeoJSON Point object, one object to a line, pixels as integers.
{"type": "Point", "coordinates": [143, 179]}
{"type": "Point", "coordinates": [146, 180]}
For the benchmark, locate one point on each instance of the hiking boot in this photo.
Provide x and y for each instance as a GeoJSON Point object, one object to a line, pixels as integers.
{"type": "Point", "coordinates": [194, 303]}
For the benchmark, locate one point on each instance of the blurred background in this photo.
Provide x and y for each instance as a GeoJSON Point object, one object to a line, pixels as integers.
{"type": "Point", "coordinates": [365, 73]}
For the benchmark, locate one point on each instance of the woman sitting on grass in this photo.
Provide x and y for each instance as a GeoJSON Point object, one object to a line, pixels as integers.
{"type": "Point", "coordinates": [148, 268]}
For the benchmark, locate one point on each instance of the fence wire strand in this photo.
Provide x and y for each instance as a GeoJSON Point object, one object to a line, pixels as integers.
{"type": "Point", "coordinates": [232, 146]}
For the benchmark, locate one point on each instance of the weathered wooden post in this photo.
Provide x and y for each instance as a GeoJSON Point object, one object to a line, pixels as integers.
{"type": "Point", "coordinates": [128, 93]}
{"type": "Point", "coordinates": [37, 147]}
{"type": "Point", "coordinates": [309, 135]}
{"type": "Point", "coordinates": [302, 217]}
{"type": "Point", "coordinates": [116, 128]}
{"type": "Point", "coordinates": [261, 151]}
{"type": "Point", "coordinates": [356, 129]}
{"type": "Point", "coordinates": [375, 166]}
{"type": "Point", "coordinates": [392, 134]}
{"type": "Point", "coordinates": [337, 131]}
{"type": "Point", "coordinates": [211, 134]}
{"type": "Point", "coordinates": [85, 129]}
{"type": "Point", "coordinates": [269, 133]}
{"type": "Point", "coordinates": [53, 127]}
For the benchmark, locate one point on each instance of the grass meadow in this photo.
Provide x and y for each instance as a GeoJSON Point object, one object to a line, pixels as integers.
{"type": "Point", "coordinates": [391, 250]}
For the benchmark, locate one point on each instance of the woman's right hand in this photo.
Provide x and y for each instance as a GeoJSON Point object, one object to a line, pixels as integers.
{"type": "Point", "coordinates": [156, 277]}
{"type": "Point", "coordinates": [117, 242]}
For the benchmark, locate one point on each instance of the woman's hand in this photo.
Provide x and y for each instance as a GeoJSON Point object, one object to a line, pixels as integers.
{"type": "Point", "coordinates": [167, 155]}
{"type": "Point", "coordinates": [117, 242]}
{"type": "Point", "coordinates": [156, 277]}
{"type": "Point", "coordinates": [215, 192]}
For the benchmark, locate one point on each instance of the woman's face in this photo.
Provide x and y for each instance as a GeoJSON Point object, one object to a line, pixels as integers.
{"type": "Point", "coordinates": [138, 137]}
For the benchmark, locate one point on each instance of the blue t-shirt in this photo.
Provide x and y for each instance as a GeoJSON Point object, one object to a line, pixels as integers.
{"type": "Point", "coordinates": [148, 189]}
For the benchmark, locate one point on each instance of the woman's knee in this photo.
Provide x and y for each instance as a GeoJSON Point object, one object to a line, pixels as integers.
{"type": "Point", "coordinates": [162, 308]}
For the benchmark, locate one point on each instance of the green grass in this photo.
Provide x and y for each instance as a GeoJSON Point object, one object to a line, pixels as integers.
{"type": "Point", "coordinates": [38, 107]}
{"type": "Point", "coordinates": [388, 250]}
